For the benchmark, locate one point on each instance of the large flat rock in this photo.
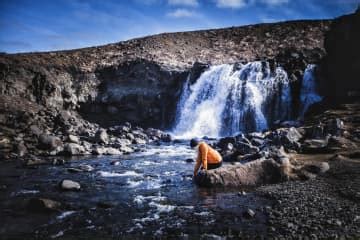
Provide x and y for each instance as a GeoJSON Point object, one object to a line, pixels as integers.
{"type": "Point", "coordinates": [250, 174]}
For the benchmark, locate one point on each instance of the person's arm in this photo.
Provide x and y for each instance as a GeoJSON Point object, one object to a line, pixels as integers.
{"type": "Point", "coordinates": [203, 150]}
{"type": "Point", "coordinates": [197, 164]}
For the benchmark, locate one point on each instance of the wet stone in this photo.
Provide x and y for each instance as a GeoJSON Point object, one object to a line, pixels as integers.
{"type": "Point", "coordinates": [70, 185]}
{"type": "Point", "coordinates": [249, 213]}
{"type": "Point", "coordinates": [115, 163]}
{"type": "Point", "coordinates": [43, 205]}
{"type": "Point", "coordinates": [86, 168]}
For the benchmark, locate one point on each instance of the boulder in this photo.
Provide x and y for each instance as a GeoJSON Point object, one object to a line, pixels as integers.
{"type": "Point", "coordinates": [126, 149]}
{"type": "Point", "coordinates": [72, 149]}
{"type": "Point", "coordinates": [101, 136]}
{"type": "Point", "coordinates": [112, 151]}
{"type": "Point", "coordinates": [242, 138]}
{"type": "Point", "coordinates": [122, 142]}
{"type": "Point", "coordinates": [224, 142]}
{"type": "Point", "coordinates": [258, 135]}
{"type": "Point", "coordinates": [317, 168]}
{"type": "Point", "coordinates": [21, 149]}
{"type": "Point", "coordinates": [250, 174]}
{"type": "Point", "coordinates": [336, 143]}
{"type": "Point", "coordinates": [249, 157]}
{"type": "Point", "coordinates": [33, 161]}
{"type": "Point", "coordinates": [166, 137]}
{"type": "Point", "coordinates": [287, 137]}
{"type": "Point", "coordinates": [73, 138]}
{"type": "Point", "coordinates": [258, 142]}
{"type": "Point", "coordinates": [276, 153]}
{"type": "Point", "coordinates": [335, 127]}
{"type": "Point", "coordinates": [154, 133]}
{"type": "Point", "coordinates": [48, 142]}
{"type": "Point", "coordinates": [69, 185]}
{"type": "Point", "coordinates": [106, 151]}
{"type": "Point", "coordinates": [245, 148]}
{"type": "Point", "coordinates": [315, 146]}
{"type": "Point", "coordinates": [139, 141]}
{"type": "Point", "coordinates": [317, 131]}
{"type": "Point", "coordinates": [130, 136]}
{"type": "Point", "coordinates": [43, 205]}
{"type": "Point", "coordinates": [86, 168]}
{"type": "Point", "coordinates": [35, 130]}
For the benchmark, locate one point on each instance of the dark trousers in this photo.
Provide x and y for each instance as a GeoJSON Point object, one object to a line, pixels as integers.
{"type": "Point", "coordinates": [213, 166]}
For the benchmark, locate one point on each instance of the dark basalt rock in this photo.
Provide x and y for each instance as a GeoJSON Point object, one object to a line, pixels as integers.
{"type": "Point", "coordinates": [341, 66]}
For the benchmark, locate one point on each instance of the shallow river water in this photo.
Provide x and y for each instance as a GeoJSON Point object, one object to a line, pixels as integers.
{"type": "Point", "coordinates": [149, 194]}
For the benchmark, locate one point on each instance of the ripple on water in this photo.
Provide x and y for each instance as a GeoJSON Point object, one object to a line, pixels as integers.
{"type": "Point", "coordinates": [65, 214]}
{"type": "Point", "coordinates": [115, 174]}
{"type": "Point", "coordinates": [24, 191]}
{"type": "Point", "coordinates": [162, 208]}
{"type": "Point", "coordinates": [132, 183]}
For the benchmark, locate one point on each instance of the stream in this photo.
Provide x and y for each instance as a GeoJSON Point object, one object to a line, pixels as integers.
{"type": "Point", "coordinates": [147, 194]}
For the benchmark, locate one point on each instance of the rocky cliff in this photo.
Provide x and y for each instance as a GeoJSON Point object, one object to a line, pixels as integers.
{"type": "Point", "coordinates": [140, 80]}
{"type": "Point", "coordinates": [341, 66]}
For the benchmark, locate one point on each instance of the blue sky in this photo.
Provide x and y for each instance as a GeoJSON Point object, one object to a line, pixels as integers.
{"type": "Point", "coordinates": [45, 25]}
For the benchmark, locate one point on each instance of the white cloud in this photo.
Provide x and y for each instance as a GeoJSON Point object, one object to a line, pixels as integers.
{"type": "Point", "coordinates": [181, 13]}
{"type": "Point", "coordinates": [188, 3]}
{"type": "Point", "coordinates": [275, 2]}
{"type": "Point", "coordinates": [230, 3]}
{"type": "Point", "coordinates": [266, 19]}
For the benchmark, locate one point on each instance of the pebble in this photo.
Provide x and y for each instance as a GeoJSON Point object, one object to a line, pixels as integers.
{"type": "Point", "coordinates": [338, 222]}
{"type": "Point", "coordinates": [250, 213]}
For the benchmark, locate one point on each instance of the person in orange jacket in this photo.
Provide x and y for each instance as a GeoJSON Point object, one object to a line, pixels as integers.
{"type": "Point", "coordinates": [208, 158]}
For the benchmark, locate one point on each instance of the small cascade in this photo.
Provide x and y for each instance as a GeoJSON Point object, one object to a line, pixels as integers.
{"type": "Point", "coordinates": [228, 99]}
{"type": "Point", "coordinates": [308, 93]}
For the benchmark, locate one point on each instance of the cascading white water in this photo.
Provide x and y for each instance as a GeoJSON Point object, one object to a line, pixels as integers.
{"type": "Point", "coordinates": [308, 94]}
{"type": "Point", "coordinates": [226, 101]}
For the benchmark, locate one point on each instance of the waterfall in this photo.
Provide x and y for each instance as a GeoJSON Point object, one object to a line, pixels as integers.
{"type": "Point", "coordinates": [308, 94]}
{"type": "Point", "coordinates": [229, 99]}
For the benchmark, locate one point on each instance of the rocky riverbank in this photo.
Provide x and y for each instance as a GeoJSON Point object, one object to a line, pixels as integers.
{"type": "Point", "coordinates": [137, 195]}
{"type": "Point", "coordinates": [29, 130]}
{"type": "Point", "coordinates": [315, 168]}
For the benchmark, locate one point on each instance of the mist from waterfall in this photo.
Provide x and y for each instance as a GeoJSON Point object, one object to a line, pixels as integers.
{"type": "Point", "coordinates": [228, 99]}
